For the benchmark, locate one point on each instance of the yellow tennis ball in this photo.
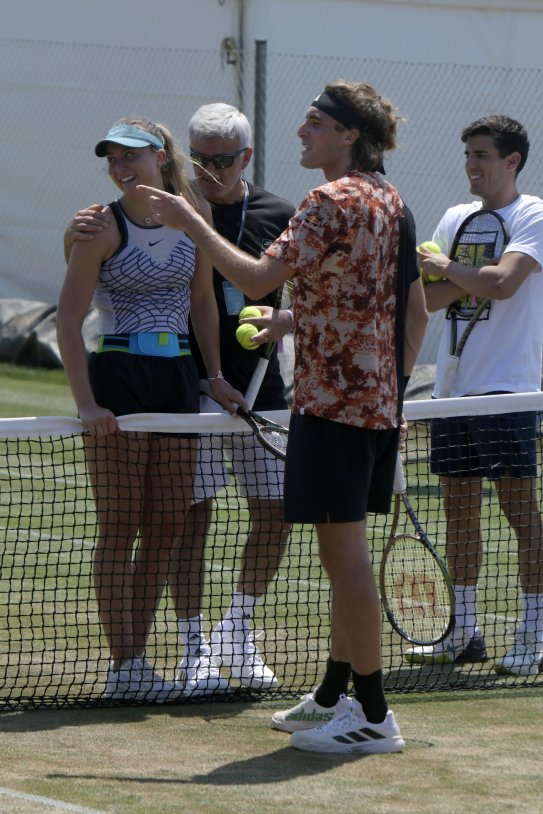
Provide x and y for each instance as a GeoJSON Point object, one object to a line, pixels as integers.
{"type": "Point", "coordinates": [250, 311]}
{"type": "Point", "coordinates": [431, 247]}
{"type": "Point", "coordinates": [244, 334]}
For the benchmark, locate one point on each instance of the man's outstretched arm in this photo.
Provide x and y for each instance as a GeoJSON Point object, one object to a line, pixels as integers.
{"type": "Point", "coordinates": [256, 277]}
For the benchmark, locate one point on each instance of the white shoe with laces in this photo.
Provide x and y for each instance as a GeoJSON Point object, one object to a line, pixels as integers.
{"type": "Point", "coordinates": [352, 733]}
{"type": "Point", "coordinates": [525, 658]}
{"type": "Point", "coordinates": [136, 680]}
{"type": "Point", "coordinates": [236, 650]}
{"type": "Point", "coordinates": [198, 674]}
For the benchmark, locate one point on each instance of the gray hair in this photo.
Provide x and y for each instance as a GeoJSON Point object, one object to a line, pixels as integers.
{"type": "Point", "coordinates": [221, 120]}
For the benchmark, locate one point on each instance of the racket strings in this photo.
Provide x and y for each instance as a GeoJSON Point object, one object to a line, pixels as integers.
{"type": "Point", "coordinates": [285, 300]}
{"type": "Point", "coordinates": [482, 241]}
{"type": "Point", "coordinates": [274, 438]}
{"type": "Point", "coordinates": [415, 590]}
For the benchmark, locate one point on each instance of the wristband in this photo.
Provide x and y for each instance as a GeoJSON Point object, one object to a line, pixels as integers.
{"type": "Point", "coordinates": [218, 375]}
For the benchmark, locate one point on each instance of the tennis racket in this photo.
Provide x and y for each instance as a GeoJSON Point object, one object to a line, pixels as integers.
{"type": "Point", "coordinates": [272, 436]}
{"type": "Point", "coordinates": [480, 238]}
{"type": "Point", "coordinates": [283, 299]}
{"type": "Point", "coordinates": [416, 590]}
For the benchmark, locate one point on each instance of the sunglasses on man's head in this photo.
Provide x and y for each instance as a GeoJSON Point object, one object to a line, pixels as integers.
{"type": "Point", "coordinates": [221, 161]}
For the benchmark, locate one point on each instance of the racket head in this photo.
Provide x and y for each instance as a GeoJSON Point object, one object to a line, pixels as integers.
{"type": "Point", "coordinates": [480, 238]}
{"type": "Point", "coordinates": [283, 301]}
{"type": "Point", "coordinates": [416, 591]}
{"type": "Point", "coordinates": [272, 436]}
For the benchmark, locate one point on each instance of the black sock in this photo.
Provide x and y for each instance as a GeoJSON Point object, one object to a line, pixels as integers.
{"type": "Point", "coordinates": [368, 690]}
{"type": "Point", "coordinates": [334, 683]}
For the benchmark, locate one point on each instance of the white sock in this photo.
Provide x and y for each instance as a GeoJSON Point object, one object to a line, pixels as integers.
{"type": "Point", "coordinates": [532, 615]}
{"type": "Point", "coordinates": [126, 664]}
{"type": "Point", "coordinates": [465, 600]}
{"type": "Point", "coordinates": [240, 610]}
{"type": "Point", "coordinates": [192, 635]}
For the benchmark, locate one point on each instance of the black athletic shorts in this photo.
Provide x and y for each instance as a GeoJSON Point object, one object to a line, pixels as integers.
{"type": "Point", "coordinates": [485, 445]}
{"type": "Point", "coordinates": [129, 383]}
{"type": "Point", "coordinates": [336, 473]}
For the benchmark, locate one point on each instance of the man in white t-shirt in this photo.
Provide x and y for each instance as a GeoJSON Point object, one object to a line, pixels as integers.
{"type": "Point", "coordinates": [503, 355]}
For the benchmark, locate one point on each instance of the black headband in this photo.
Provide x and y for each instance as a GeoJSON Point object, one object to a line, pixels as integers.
{"type": "Point", "coordinates": [339, 111]}
{"type": "Point", "coordinates": [342, 113]}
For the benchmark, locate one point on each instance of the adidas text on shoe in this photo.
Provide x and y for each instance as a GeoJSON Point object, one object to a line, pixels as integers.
{"type": "Point", "coordinates": [525, 658]}
{"type": "Point", "coordinates": [352, 733]}
{"type": "Point", "coordinates": [457, 648]}
{"type": "Point", "coordinates": [236, 650]}
{"type": "Point", "coordinates": [308, 714]}
{"type": "Point", "coordinates": [198, 674]}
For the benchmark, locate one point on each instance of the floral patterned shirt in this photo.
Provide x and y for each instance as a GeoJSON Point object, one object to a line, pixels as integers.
{"type": "Point", "coordinates": [342, 245]}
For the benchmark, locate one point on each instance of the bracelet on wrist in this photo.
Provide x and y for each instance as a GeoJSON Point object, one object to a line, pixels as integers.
{"type": "Point", "coordinates": [218, 375]}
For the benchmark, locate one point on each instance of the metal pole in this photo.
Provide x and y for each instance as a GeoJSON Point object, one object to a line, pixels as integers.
{"type": "Point", "coordinates": [259, 162]}
{"type": "Point", "coordinates": [241, 55]}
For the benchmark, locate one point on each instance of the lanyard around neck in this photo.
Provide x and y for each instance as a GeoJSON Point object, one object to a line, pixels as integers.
{"type": "Point", "coordinates": [243, 213]}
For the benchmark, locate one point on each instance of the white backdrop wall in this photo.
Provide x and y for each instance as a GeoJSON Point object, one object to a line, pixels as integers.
{"type": "Point", "coordinates": [70, 68]}
{"type": "Point", "coordinates": [475, 32]}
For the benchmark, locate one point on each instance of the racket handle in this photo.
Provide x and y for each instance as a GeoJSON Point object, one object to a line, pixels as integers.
{"type": "Point", "coordinates": [443, 390]}
{"type": "Point", "coordinates": [400, 486]}
{"type": "Point", "coordinates": [256, 380]}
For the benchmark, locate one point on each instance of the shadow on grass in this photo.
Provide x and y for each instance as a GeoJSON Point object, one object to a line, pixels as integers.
{"type": "Point", "coordinates": [276, 767]}
{"type": "Point", "coordinates": [36, 720]}
{"type": "Point", "coordinates": [451, 678]}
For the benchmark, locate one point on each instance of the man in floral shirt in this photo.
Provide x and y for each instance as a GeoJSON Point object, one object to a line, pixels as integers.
{"type": "Point", "coordinates": [359, 320]}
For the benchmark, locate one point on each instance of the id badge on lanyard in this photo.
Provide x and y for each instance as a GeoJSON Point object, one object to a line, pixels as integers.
{"type": "Point", "coordinates": [234, 298]}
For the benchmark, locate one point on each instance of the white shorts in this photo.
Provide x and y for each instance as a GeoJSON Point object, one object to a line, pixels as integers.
{"type": "Point", "coordinates": [258, 473]}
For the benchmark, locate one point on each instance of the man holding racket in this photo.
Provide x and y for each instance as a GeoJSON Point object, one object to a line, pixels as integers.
{"type": "Point", "coordinates": [359, 317]}
{"type": "Point", "coordinates": [251, 218]}
{"type": "Point", "coordinates": [501, 355]}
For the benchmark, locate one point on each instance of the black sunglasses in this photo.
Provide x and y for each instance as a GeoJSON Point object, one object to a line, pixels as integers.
{"type": "Point", "coordinates": [221, 161]}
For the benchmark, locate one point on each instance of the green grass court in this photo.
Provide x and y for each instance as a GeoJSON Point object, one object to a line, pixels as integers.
{"type": "Point", "coordinates": [466, 750]}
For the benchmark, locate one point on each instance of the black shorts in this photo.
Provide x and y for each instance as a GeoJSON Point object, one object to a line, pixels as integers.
{"type": "Point", "coordinates": [128, 383]}
{"type": "Point", "coordinates": [485, 446]}
{"type": "Point", "coordinates": [335, 473]}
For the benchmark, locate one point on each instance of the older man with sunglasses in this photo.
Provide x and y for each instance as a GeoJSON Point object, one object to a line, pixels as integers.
{"type": "Point", "coordinates": [251, 218]}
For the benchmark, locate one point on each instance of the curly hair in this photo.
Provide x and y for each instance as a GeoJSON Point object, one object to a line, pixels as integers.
{"type": "Point", "coordinates": [374, 116]}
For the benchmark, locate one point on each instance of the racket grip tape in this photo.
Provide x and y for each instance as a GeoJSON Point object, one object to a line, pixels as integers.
{"type": "Point", "coordinates": [256, 381]}
{"type": "Point", "coordinates": [443, 389]}
{"type": "Point", "coordinates": [400, 485]}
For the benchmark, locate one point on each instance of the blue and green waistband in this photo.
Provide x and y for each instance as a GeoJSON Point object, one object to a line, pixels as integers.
{"type": "Point", "coordinates": [159, 343]}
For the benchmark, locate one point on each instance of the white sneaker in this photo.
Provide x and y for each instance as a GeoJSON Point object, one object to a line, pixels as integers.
{"type": "Point", "coordinates": [136, 680]}
{"type": "Point", "coordinates": [351, 732]}
{"type": "Point", "coordinates": [236, 650]}
{"type": "Point", "coordinates": [198, 674]}
{"type": "Point", "coordinates": [308, 714]}
{"type": "Point", "coordinates": [458, 648]}
{"type": "Point", "coordinates": [525, 657]}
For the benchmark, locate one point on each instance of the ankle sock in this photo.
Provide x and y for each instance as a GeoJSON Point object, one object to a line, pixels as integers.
{"type": "Point", "coordinates": [369, 692]}
{"type": "Point", "coordinates": [465, 603]}
{"type": "Point", "coordinates": [192, 635]}
{"type": "Point", "coordinates": [335, 683]}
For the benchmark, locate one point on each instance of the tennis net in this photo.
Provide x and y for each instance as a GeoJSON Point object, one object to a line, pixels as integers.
{"type": "Point", "coordinates": [52, 648]}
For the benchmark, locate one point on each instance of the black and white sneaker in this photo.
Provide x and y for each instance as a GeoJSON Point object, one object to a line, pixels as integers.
{"type": "Point", "coordinates": [351, 732]}
{"type": "Point", "coordinates": [458, 648]}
